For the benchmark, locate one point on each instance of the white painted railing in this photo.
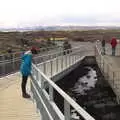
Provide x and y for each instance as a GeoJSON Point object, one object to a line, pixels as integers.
{"type": "Point", "coordinates": [63, 60]}
{"type": "Point", "coordinates": [17, 55]}
{"type": "Point", "coordinates": [12, 62]}
{"type": "Point", "coordinates": [45, 97]}
{"type": "Point", "coordinates": [112, 75]}
{"type": "Point", "coordinates": [108, 48]}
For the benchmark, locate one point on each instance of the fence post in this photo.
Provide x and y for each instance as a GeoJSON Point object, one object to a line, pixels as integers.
{"type": "Point", "coordinates": [107, 72]}
{"type": "Point", "coordinates": [103, 65]}
{"type": "Point", "coordinates": [95, 51]}
{"type": "Point", "coordinates": [56, 64]}
{"type": "Point", "coordinates": [73, 59]}
{"type": "Point", "coordinates": [61, 62]}
{"type": "Point", "coordinates": [51, 92]}
{"type": "Point", "coordinates": [37, 75]}
{"type": "Point", "coordinates": [66, 61]}
{"type": "Point", "coordinates": [13, 61]}
{"type": "Point", "coordinates": [51, 66]}
{"type": "Point", "coordinates": [66, 110]}
{"type": "Point", "coordinates": [42, 82]}
{"type": "Point", "coordinates": [113, 79]}
{"type": "Point", "coordinates": [3, 66]}
{"type": "Point", "coordinates": [44, 67]}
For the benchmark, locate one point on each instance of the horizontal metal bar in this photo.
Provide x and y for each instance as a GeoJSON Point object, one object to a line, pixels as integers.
{"type": "Point", "coordinates": [76, 106]}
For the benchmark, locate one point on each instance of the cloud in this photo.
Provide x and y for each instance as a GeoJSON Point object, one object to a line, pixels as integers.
{"type": "Point", "coordinates": [58, 12]}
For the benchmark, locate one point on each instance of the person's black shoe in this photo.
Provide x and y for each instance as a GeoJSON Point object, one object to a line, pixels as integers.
{"type": "Point", "coordinates": [26, 95]}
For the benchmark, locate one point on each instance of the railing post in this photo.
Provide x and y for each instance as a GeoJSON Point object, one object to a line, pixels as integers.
{"type": "Point", "coordinates": [3, 64]}
{"type": "Point", "coordinates": [44, 67]}
{"type": "Point", "coordinates": [107, 72]}
{"type": "Point", "coordinates": [95, 51]}
{"type": "Point", "coordinates": [100, 62]}
{"type": "Point", "coordinates": [37, 75]}
{"type": "Point", "coordinates": [66, 110]}
{"type": "Point", "coordinates": [61, 62]}
{"type": "Point", "coordinates": [39, 79]}
{"type": "Point", "coordinates": [66, 61]}
{"type": "Point", "coordinates": [51, 92]}
{"type": "Point", "coordinates": [42, 82]}
{"type": "Point", "coordinates": [13, 60]}
{"type": "Point", "coordinates": [70, 59]}
{"type": "Point", "coordinates": [51, 66]}
{"type": "Point", "coordinates": [103, 65]}
{"type": "Point", "coordinates": [56, 64]}
{"type": "Point", "coordinates": [113, 79]}
{"type": "Point", "coordinates": [73, 59]}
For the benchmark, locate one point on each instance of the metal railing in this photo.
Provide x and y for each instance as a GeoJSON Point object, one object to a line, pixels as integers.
{"type": "Point", "coordinates": [111, 74]}
{"type": "Point", "coordinates": [108, 48]}
{"type": "Point", "coordinates": [8, 66]}
{"type": "Point", "coordinates": [17, 55]}
{"type": "Point", "coordinates": [63, 60]}
{"type": "Point", "coordinates": [44, 98]}
{"type": "Point", "coordinates": [13, 65]}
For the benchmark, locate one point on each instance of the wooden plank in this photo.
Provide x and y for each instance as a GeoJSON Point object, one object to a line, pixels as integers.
{"type": "Point", "coordinates": [12, 105]}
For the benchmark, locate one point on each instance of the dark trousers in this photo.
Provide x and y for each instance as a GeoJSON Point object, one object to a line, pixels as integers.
{"type": "Point", "coordinates": [113, 51]}
{"type": "Point", "coordinates": [23, 84]}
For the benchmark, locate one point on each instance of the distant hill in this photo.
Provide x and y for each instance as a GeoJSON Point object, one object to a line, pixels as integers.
{"type": "Point", "coordinates": [59, 28]}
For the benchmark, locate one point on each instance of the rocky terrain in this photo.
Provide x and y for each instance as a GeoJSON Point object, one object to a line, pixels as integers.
{"type": "Point", "coordinates": [91, 92]}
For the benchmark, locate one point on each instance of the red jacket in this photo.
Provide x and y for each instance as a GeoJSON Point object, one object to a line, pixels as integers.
{"type": "Point", "coordinates": [113, 42]}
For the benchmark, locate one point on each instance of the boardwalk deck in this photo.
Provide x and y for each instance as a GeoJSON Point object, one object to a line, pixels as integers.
{"type": "Point", "coordinates": [113, 60]}
{"type": "Point", "coordinates": [110, 66]}
{"type": "Point", "coordinates": [12, 105]}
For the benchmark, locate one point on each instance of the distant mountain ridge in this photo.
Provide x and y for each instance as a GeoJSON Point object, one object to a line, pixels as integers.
{"type": "Point", "coordinates": [55, 28]}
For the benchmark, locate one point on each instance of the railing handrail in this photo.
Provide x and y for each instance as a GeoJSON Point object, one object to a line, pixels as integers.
{"type": "Point", "coordinates": [9, 66]}
{"type": "Point", "coordinates": [76, 106]}
{"type": "Point", "coordinates": [61, 51]}
{"type": "Point", "coordinates": [41, 56]}
{"type": "Point", "coordinates": [20, 53]}
{"type": "Point", "coordinates": [59, 56]}
{"type": "Point", "coordinates": [110, 66]}
{"type": "Point", "coordinates": [111, 74]}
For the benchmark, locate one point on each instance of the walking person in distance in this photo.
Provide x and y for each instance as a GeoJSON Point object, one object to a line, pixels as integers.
{"type": "Point", "coordinates": [113, 44]}
{"type": "Point", "coordinates": [103, 46]}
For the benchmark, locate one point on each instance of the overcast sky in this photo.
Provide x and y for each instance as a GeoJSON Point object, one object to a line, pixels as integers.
{"type": "Point", "coordinates": [24, 13]}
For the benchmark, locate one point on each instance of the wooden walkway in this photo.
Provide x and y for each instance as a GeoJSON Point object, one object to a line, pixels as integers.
{"type": "Point", "coordinates": [12, 105]}
{"type": "Point", "coordinates": [113, 60]}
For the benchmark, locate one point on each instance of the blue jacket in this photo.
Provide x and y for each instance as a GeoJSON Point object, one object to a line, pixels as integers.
{"type": "Point", "coordinates": [25, 67]}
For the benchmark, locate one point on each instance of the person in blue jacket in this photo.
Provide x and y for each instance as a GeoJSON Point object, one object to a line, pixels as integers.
{"type": "Point", "coordinates": [25, 69]}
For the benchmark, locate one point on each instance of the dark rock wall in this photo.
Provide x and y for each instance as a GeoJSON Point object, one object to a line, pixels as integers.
{"type": "Point", "coordinates": [99, 101]}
